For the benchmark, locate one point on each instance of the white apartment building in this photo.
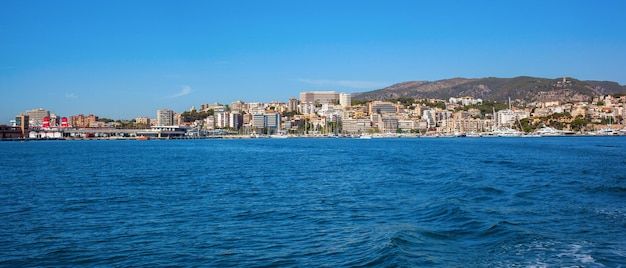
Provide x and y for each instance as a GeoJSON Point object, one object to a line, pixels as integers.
{"type": "Point", "coordinates": [165, 117]}
{"type": "Point", "coordinates": [345, 100]}
{"type": "Point", "coordinates": [509, 117]}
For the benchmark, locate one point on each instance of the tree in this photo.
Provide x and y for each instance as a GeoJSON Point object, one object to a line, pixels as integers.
{"type": "Point", "coordinates": [526, 125]}
{"type": "Point", "coordinates": [195, 115]}
{"type": "Point", "coordinates": [290, 114]}
{"type": "Point", "coordinates": [354, 102]}
{"type": "Point", "coordinates": [578, 123]}
{"type": "Point", "coordinates": [105, 120]}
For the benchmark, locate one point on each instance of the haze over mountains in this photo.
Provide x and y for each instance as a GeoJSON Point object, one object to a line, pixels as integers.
{"type": "Point", "coordinates": [528, 89]}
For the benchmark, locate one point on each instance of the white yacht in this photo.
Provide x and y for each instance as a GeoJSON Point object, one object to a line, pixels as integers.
{"type": "Point", "coordinates": [506, 132]}
{"type": "Point", "coordinates": [548, 131]}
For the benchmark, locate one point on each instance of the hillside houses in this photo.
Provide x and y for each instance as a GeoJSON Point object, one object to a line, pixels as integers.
{"type": "Point", "coordinates": [425, 116]}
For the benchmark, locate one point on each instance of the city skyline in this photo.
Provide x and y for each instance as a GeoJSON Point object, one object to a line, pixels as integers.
{"type": "Point", "coordinates": [122, 60]}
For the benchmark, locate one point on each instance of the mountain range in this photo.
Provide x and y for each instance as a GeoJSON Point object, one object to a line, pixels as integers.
{"type": "Point", "coordinates": [522, 88]}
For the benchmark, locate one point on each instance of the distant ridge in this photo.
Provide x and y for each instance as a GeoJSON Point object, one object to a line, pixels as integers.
{"type": "Point", "coordinates": [528, 89]}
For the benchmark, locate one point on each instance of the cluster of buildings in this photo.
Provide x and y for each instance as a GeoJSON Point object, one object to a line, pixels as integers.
{"type": "Point", "coordinates": [325, 112]}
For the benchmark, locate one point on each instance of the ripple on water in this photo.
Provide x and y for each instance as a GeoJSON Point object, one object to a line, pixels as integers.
{"type": "Point", "coordinates": [315, 202]}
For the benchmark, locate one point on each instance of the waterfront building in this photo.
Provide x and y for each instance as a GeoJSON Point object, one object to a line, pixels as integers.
{"type": "Point", "coordinates": [320, 97]}
{"type": "Point", "coordinates": [10, 132]}
{"type": "Point", "coordinates": [258, 121]}
{"type": "Point", "coordinates": [165, 131]}
{"type": "Point", "coordinates": [421, 124]}
{"type": "Point", "coordinates": [406, 125]}
{"type": "Point", "coordinates": [375, 119]}
{"type": "Point", "coordinates": [236, 120]}
{"type": "Point", "coordinates": [222, 120]}
{"type": "Point", "coordinates": [382, 107]}
{"type": "Point", "coordinates": [356, 126]}
{"type": "Point", "coordinates": [268, 120]}
{"type": "Point", "coordinates": [345, 99]}
{"type": "Point", "coordinates": [21, 121]}
{"type": "Point", "coordinates": [510, 117]}
{"type": "Point", "coordinates": [165, 117]}
{"type": "Point", "coordinates": [388, 124]}
{"type": "Point", "coordinates": [429, 116]}
{"type": "Point", "coordinates": [81, 120]}
{"type": "Point", "coordinates": [273, 121]}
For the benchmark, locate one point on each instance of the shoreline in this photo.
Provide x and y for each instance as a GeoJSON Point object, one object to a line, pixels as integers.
{"type": "Point", "coordinates": [240, 137]}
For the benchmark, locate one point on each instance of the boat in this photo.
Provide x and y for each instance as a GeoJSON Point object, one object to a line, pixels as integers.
{"type": "Point", "coordinates": [506, 132]}
{"type": "Point", "coordinates": [278, 136]}
{"type": "Point", "coordinates": [366, 136]}
{"type": "Point", "coordinates": [607, 132]}
{"type": "Point", "coordinates": [473, 134]}
{"type": "Point", "coordinates": [142, 138]}
{"type": "Point", "coordinates": [604, 132]}
{"type": "Point", "coordinates": [548, 131]}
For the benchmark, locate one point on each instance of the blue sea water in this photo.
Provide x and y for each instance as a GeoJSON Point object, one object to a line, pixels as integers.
{"type": "Point", "coordinates": [440, 202]}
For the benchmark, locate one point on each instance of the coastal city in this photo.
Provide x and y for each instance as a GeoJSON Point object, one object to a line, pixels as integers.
{"type": "Point", "coordinates": [334, 114]}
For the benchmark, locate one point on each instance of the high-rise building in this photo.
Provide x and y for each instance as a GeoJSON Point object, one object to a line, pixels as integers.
{"type": "Point", "coordinates": [272, 121]}
{"type": "Point", "coordinates": [345, 100]}
{"type": "Point", "coordinates": [36, 116]}
{"type": "Point", "coordinates": [165, 117]}
{"type": "Point", "coordinates": [222, 120]}
{"type": "Point", "coordinates": [236, 120]}
{"type": "Point", "coordinates": [258, 121]}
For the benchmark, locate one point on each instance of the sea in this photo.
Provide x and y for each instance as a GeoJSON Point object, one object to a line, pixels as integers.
{"type": "Point", "coordinates": [324, 202]}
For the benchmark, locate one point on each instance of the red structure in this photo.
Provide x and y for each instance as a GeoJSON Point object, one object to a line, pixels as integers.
{"type": "Point", "coordinates": [64, 122]}
{"type": "Point", "coordinates": [46, 122]}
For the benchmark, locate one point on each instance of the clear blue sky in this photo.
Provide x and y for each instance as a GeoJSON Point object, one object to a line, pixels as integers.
{"type": "Point", "coordinates": [123, 59]}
